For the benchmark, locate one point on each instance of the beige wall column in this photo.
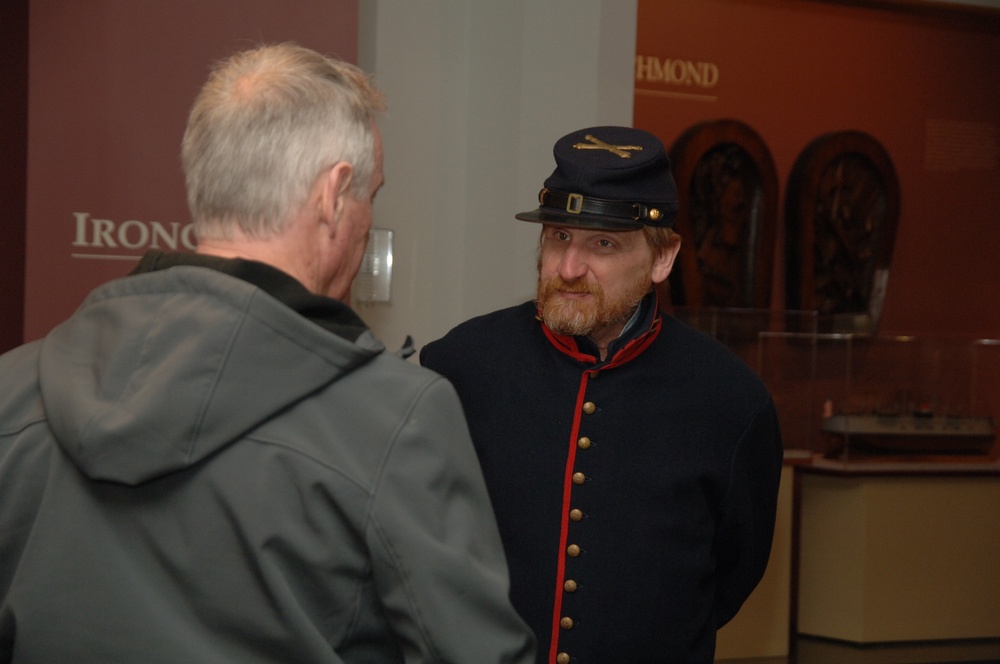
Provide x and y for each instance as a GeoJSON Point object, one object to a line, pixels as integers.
{"type": "Point", "coordinates": [478, 93]}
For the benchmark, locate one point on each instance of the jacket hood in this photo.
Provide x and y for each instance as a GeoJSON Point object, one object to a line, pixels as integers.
{"type": "Point", "coordinates": [157, 371]}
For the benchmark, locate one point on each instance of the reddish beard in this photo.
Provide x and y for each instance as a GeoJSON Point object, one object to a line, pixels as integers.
{"type": "Point", "coordinates": [582, 317]}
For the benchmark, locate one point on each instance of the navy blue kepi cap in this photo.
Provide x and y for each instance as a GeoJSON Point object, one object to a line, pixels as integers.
{"type": "Point", "coordinates": [610, 178]}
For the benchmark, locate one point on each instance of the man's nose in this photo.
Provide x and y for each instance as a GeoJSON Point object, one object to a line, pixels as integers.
{"type": "Point", "coordinates": [573, 264]}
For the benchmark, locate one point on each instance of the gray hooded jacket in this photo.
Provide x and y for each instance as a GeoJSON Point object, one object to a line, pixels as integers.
{"type": "Point", "coordinates": [192, 471]}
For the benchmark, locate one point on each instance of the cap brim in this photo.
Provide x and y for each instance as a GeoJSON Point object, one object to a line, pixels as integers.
{"type": "Point", "coordinates": [596, 222]}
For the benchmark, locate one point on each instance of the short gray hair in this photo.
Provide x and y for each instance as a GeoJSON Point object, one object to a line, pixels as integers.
{"type": "Point", "coordinates": [266, 123]}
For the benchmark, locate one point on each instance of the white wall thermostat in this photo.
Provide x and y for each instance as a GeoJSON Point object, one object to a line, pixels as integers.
{"type": "Point", "coordinates": [375, 274]}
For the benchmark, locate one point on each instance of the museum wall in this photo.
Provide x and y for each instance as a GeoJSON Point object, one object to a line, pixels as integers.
{"type": "Point", "coordinates": [478, 91]}
{"type": "Point", "coordinates": [792, 70]}
{"type": "Point", "coordinates": [920, 80]}
{"type": "Point", "coordinates": [110, 84]}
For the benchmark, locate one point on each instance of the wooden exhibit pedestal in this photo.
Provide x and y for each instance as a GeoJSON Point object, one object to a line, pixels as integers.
{"type": "Point", "coordinates": [903, 551]}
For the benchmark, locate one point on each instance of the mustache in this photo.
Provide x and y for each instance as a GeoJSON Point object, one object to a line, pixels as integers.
{"type": "Point", "coordinates": [557, 283]}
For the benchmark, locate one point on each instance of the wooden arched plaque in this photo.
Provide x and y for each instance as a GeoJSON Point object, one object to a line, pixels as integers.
{"type": "Point", "coordinates": [841, 212]}
{"type": "Point", "coordinates": [727, 187]}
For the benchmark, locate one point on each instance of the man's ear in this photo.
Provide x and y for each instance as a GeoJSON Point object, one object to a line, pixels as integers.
{"type": "Point", "coordinates": [664, 262]}
{"type": "Point", "coordinates": [336, 189]}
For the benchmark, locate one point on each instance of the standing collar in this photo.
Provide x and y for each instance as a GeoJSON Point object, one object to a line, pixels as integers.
{"type": "Point", "coordinates": [638, 332]}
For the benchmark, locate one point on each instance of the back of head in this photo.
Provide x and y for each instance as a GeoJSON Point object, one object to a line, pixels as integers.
{"type": "Point", "coordinates": [266, 123]}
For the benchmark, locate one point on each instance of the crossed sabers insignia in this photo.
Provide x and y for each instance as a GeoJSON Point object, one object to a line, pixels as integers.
{"type": "Point", "coordinates": [598, 144]}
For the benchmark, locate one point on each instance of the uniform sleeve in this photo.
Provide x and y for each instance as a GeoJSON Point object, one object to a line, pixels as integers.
{"type": "Point", "coordinates": [743, 540]}
{"type": "Point", "coordinates": [438, 562]}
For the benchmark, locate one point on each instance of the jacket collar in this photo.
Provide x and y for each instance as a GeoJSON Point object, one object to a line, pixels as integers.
{"type": "Point", "coordinates": [635, 338]}
{"type": "Point", "coordinates": [333, 315]}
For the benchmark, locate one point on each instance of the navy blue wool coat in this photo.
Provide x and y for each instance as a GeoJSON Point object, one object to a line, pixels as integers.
{"type": "Point", "coordinates": [636, 496]}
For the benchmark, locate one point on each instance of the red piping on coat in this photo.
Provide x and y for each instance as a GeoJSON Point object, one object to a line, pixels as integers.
{"type": "Point", "coordinates": [567, 344]}
{"type": "Point", "coordinates": [564, 529]}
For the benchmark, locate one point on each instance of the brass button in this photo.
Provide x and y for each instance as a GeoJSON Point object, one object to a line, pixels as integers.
{"type": "Point", "coordinates": [573, 550]}
{"type": "Point", "coordinates": [562, 658]}
{"type": "Point", "coordinates": [566, 622]}
{"type": "Point", "coordinates": [576, 515]}
{"type": "Point", "coordinates": [570, 586]}
{"type": "Point", "coordinates": [579, 478]}
{"type": "Point", "coordinates": [589, 408]}
{"type": "Point", "coordinates": [583, 443]}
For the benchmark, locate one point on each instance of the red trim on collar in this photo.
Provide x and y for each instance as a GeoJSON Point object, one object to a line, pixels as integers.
{"type": "Point", "coordinates": [635, 347]}
{"type": "Point", "coordinates": [567, 344]}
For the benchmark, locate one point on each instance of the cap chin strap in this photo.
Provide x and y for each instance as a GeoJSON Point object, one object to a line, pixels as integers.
{"type": "Point", "coordinates": [580, 204]}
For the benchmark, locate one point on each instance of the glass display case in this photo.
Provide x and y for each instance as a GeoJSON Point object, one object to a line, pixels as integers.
{"type": "Point", "coordinates": [848, 395]}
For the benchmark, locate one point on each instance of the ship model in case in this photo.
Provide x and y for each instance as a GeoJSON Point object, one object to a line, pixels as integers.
{"type": "Point", "coordinates": [919, 430]}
